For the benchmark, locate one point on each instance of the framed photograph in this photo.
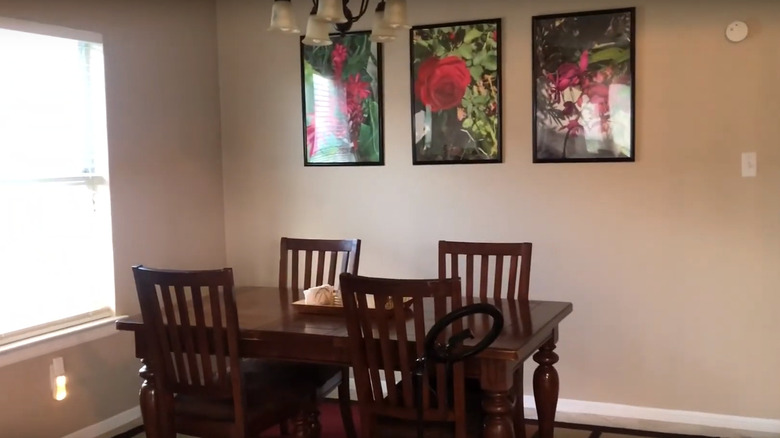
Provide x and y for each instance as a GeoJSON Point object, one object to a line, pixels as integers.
{"type": "Point", "coordinates": [456, 92]}
{"type": "Point", "coordinates": [583, 86]}
{"type": "Point", "coordinates": [342, 102]}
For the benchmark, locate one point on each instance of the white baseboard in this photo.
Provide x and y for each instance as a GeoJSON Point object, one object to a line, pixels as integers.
{"type": "Point", "coordinates": [649, 419]}
{"type": "Point", "coordinates": [659, 420]}
{"type": "Point", "coordinates": [108, 425]}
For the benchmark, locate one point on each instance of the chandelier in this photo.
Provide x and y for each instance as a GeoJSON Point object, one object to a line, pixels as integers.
{"type": "Point", "coordinates": [325, 15]}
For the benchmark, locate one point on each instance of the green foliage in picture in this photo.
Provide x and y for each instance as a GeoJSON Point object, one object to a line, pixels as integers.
{"type": "Point", "coordinates": [342, 102]}
{"type": "Point", "coordinates": [583, 67]}
{"type": "Point", "coordinates": [456, 108]}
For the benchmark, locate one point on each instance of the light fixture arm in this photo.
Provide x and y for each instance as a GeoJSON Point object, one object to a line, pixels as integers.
{"type": "Point", "coordinates": [351, 18]}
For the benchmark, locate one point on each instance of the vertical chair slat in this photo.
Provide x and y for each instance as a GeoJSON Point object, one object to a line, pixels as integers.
{"type": "Point", "coordinates": [294, 275]}
{"type": "Point", "coordinates": [187, 334]}
{"type": "Point", "coordinates": [201, 335]}
{"type": "Point", "coordinates": [320, 267]}
{"type": "Point", "coordinates": [307, 270]}
{"type": "Point", "coordinates": [334, 259]}
{"type": "Point", "coordinates": [171, 326]}
{"type": "Point", "coordinates": [439, 310]}
{"type": "Point", "coordinates": [419, 334]}
{"type": "Point", "coordinates": [470, 278]}
{"type": "Point", "coordinates": [512, 280]}
{"type": "Point", "coordinates": [372, 348]}
{"type": "Point", "coordinates": [499, 273]}
{"type": "Point", "coordinates": [525, 272]}
{"type": "Point", "coordinates": [483, 275]}
{"type": "Point", "coordinates": [219, 335]}
{"type": "Point", "coordinates": [387, 363]}
{"type": "Point", "coordinates": [402, 339]}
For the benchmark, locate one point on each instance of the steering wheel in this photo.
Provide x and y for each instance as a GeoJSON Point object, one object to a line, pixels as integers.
{"type": "Point", "coordinates": [445, 353]}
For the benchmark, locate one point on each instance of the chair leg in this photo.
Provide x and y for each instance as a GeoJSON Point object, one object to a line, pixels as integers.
{"type": "Point", "coordinates": [345, 405]}
{"type": "Point", "coordinates": [518, 415]}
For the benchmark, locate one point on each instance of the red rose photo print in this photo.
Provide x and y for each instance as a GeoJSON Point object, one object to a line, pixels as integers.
{"type": "Point", "coordinates": [456, 92]}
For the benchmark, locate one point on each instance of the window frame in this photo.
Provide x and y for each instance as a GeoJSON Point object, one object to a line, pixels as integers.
{"type": "Point", "coordinates": [61, 333]}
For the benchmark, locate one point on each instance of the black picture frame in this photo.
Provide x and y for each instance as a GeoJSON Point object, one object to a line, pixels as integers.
{"type": "Point", "coordinates": [350, 131]}
{"type": "Point", "coordinates": [456, 104]}
{"type": "Point", "coordinates": [584, 70]}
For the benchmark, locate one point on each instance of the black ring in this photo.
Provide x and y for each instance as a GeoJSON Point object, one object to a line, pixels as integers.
{"type": "Point", "coordinates": [484, 308]}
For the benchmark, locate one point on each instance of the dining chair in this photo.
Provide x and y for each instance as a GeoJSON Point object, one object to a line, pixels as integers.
{"type": "Point", "coordinates": [202, 387]}
{"type": "Point", "coordinates": [384, 346]}
{"type": "Point", "coordinates": [491, 270]}
{"type": "Point", "coordinates": [302, 264]}
{"type": "Point", "coordinates": [298, 269]}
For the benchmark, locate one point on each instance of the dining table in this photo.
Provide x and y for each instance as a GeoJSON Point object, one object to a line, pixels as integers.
{"type": "Point", "coordinates": [271, 326]}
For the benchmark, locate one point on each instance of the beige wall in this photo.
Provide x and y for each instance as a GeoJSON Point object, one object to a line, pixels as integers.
{"type": "Point", "coordinates": [671, 262]}
{"type": "Point", "coordinates": [166, 188]}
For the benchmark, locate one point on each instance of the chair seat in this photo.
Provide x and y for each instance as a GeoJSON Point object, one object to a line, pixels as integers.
{"type": "Point", "coordinates": [323, 378]}
{"type": "Point", "coordinates": [273, 390]}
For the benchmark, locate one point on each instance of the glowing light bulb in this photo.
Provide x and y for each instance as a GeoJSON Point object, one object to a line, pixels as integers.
{"type": "Point", "coordinates": [61, 391]}
{"type": "Point", "coordinates": [58, 380]}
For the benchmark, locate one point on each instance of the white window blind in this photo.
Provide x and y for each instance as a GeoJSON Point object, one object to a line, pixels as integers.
{"type": "Point", "coordinates": [56, 256]}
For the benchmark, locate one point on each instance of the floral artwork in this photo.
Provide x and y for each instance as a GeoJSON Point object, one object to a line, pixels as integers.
{"type": "Point", "coordinates": [583, 69]}
{"type": "Point", "coordinates": [342, 102]}
{"type": "Point", "coordinates": [456, 93]}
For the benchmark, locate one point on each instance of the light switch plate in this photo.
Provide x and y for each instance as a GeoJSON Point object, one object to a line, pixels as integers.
{"type": "Point", "coordinates": [749, 164]}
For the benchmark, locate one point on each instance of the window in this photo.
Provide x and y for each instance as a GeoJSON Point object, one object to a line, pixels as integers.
{"type": "Point", "coordinates": [331, 141]}
{"type": "Point", "coordinates": [56, 262]}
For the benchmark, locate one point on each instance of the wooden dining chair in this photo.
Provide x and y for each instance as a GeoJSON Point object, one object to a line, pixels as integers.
{"type": "Point", "coordinates": [191, 321]}
{"type": "Point", "coordinates": [302, 264]}
{"type": "Point", "coordinates": [384, 345]}
{"type": "Point", "coordinates": [491, 270]}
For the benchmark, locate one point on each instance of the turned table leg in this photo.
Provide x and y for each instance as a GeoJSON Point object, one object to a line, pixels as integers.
{"type": "Point", "coordinates": [546, 388]}
{"type": "Point", "coordinates": [306, 423]}
{"type": "Point", "coordinates": [148, 401]}
{"type": "Point", "coordinates": [497, 406]}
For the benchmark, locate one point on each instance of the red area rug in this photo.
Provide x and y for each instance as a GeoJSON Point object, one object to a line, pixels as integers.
{"type": "Point", "coordinates": [330, 418]}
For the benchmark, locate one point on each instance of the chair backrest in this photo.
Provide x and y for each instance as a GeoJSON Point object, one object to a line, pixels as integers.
{"type": "Point", "coordinates": [384, 345]}
{"type": "Point", "coordinates": [191, 320]}
{"type": "Point", "coordinates": [301, 271]}
{"type": "Point", "coordinates": [489, 270]}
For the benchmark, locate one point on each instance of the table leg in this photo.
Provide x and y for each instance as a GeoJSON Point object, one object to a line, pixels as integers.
{"type": "Point", "coordinates": [306, 423]}
{"type": "Point", "coordinates": [498, 414]}
{"type": "Point", "coordinates": [546, 387]}
{"type": "Point", "coordinates": [148, 401]}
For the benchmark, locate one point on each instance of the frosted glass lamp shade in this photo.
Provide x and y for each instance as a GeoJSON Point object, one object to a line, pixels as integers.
{"type": "Point", "coordinates": [381, 32]}
{"type": "Point", "coordinates": [282, 18]}
{"type": "Point", "coordinates": [317, 32]}
{"type": "Point", "coordinates": [395, 14]}
{"type": "Point", "coordinates": [331, 11]}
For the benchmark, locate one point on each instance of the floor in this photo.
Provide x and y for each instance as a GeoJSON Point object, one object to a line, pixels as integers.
{"type": "Point", "coordinates": [332, 428]}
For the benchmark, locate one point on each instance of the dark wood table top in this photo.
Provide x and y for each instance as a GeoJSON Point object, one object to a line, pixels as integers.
{"type": "Point", "coordinates": [268, 322]}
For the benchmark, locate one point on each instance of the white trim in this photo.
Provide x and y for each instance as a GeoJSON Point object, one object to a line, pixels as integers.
{"type": "Point", "coordinates": [107, 425]}
{"type": "Point", "coordinates": [647, 419]}
{"type": "Point", "coordinates": [658, 420]}
{"type": "Point", "coordinates": [50, 30]}
{"type": "Point", "coordinates": [55, 341]}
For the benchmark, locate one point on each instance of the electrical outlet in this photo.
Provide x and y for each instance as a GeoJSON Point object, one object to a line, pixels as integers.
{"type": "Point", "coordinates": [749, 164]}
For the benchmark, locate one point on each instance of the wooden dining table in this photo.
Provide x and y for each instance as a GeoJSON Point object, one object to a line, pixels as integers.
{"type": "Point", "coordinates": [271, 327]}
